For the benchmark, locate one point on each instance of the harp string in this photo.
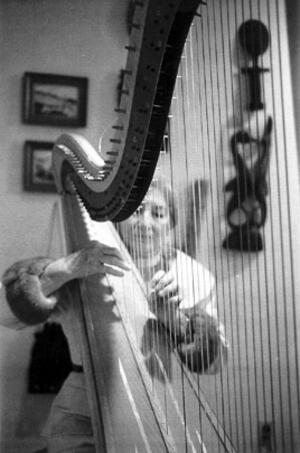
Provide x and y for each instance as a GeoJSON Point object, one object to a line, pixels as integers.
{"type": "Point", "coordinates": [256, 271]}
{"type": "Point", "coordinates": [274, 235]}
{"type": "Point", "coordinates": [245, 260]}
{"type": "Point", "coordinates": [260, 266]}
{"type": "Point", "coordinates": [246, 408]}
{"type": "Point", "coordinates": [206, 100]}
{"type": "Point", "coordinates": [183, 111]}
{"type": "Point", "coordinates": [192, 188]}
{"type": "Point", "coordinates": [215, 171]}
{"type": "Point", "coordinates": [290, 255]}
{"type": "Point", "coordinates": [209, 118]}
{"type": "Point", "coordinates": [216, 54]}
{"type": "Point", "coordinates": [266, 279]}
{"type": "Point", "coordinates": [188, 112]}
{"type": "Point", "coordinates": [187, 126]}
{"type": "Point", "coordinates": [200, 124]}
{"type": "Point", "coordinates": [260, 330]}
{"type": "Point", "coordinates": [264, 17]}
{"type": "Point", "coordinates": [232, 292]}
{"type": "Point", "coordinates": [229, 402]}
{"type": "Point", "coordinates": [174, 122]}
{"type": "Point", "coordinates": [272, 209]}
{"type": "Point", "coordinates": [146, 267]}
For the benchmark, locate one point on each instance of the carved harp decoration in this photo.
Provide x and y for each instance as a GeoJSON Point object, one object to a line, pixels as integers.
{"type": "Point", "coordinates": [184, 70]}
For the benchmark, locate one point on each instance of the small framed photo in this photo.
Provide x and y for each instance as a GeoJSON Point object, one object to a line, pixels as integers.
{"type": "Point", "coordinates": [54, 100]}
{"type": "Point", "coordinates": [38, 174]}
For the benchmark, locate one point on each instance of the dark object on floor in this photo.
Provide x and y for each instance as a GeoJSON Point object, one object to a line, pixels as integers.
{"type": "Point", "coordinates": [50, 361]}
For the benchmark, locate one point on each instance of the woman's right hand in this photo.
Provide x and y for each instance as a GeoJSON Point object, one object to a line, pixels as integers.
{"type": "Point", "coordinates": [96, 258]}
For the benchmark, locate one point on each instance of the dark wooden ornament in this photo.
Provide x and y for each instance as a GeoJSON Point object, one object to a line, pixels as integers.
{"type": "Point", "coordinates": [247, 210]}
{"type": "Point", "coordinates": [254, 38]}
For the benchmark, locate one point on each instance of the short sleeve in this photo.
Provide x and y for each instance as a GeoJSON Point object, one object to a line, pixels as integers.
{"type": "Point", "coordinates": [7, 318]}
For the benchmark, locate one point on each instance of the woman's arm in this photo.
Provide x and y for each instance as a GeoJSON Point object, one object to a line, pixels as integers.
{"type": "Point", "coordinates": [33, 287]}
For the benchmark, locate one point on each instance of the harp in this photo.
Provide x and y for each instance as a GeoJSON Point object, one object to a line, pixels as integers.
{"type": "Point", "coordinates": [187, 54]}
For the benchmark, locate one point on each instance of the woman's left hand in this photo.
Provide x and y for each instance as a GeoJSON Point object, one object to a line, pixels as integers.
{"type": "Point", "coordinates": [165, 298]}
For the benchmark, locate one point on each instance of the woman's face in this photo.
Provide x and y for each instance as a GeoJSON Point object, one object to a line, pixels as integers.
{"type": "Point", "coordinates": [148, 230]}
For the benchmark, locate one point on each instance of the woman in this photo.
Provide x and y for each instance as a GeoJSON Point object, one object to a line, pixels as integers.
{"type": "Point", "coordinates": [180, 294]}
{"type": "Point", "coordinates": [180, 291]}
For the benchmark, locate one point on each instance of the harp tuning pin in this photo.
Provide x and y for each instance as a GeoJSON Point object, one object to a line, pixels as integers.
{"type": "Point", "coordinates": [115, 140]}
{"type": "Point", "coordinates": [127, 72]}
{"type": "Point", "coordinates": [118, 110]}
{"type": "Point", "coordinates": [125, 92]}
{"type": "Point", "coordinates": [136, 26]}
{"type": "Point", "coordinates": [158, 106]}
{"type": "Point", "coordinates": [130, 48]}
{"type": "Point", "coordinates": [118, 128]}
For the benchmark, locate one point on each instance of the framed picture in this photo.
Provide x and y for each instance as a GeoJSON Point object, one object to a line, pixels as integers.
{"type": "Point", "coordinates": [54, 100]}
{"type": "Point", "coordinates": [38, 174]}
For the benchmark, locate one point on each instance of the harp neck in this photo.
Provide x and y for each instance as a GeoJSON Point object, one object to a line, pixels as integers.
{"type": "Point", "coordinates": [113, 188]}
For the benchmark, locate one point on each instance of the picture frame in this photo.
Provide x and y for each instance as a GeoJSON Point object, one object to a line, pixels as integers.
{"type": "Point", "coordinates": [54, 100]}
{"type": "Point", "coordinates": [38, 174]}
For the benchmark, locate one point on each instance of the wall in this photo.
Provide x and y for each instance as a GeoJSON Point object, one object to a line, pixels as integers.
{"type": "Point", "coordinates": [71, 37]}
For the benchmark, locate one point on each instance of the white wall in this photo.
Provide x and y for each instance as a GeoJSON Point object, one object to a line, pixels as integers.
{"type": "Point", "coordinates": [71, 37]}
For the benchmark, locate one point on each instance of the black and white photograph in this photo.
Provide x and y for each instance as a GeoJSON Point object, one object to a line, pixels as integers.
{"type": "Point", "coordinates": [150, 226]}
{"type": "Point", "coordinates": [55, 100]}
{"type": "Point", "coordinates": [38, 173]}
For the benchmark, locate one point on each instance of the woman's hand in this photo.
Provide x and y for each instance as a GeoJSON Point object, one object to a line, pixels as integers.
{"type": "Point", "coordinates": [165, 299]}
{"type": "Point", "coordinates": [96, 258]}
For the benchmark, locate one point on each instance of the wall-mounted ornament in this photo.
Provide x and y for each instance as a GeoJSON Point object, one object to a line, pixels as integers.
{"type": "Point", "coordinates": [247, 209]}
{"type": "Point", "coordinates": [254, 38]}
